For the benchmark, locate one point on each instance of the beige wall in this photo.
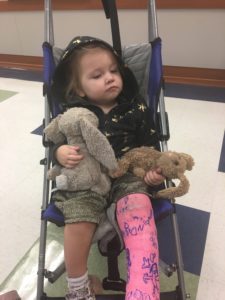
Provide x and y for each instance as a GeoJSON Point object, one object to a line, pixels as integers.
{"type": "Point", "coordinates": [192, 38]}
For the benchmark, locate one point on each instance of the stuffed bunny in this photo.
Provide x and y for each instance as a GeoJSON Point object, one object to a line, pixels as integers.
{"type": "Point", "coordinates": [173, 165]}
{"type": "Point", "coordinates": [79, 126]}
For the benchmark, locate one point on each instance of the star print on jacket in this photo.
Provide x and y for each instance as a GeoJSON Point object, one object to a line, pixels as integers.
{"type": "Point", "coordinates": [127, 125]}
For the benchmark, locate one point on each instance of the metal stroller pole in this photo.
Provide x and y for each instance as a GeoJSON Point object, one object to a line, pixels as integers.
{"type": "Point", "coordinates": [153, 34]}
{"type": "Point", "coordinates": [153, 26]}
{"type": "Point", "coordinates": [46, 162]}
{"type": "Point", "coordinates": [49, 34]}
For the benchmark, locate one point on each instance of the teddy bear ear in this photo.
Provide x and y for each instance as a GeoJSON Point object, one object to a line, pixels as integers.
{"type": "Point", "coordinates": [189, 160]}
{"type": "Point", "coordinates": [52, 131]}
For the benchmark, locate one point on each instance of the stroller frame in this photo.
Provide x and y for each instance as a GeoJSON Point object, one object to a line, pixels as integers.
{"type": "Point", "coordinates": [162, 123]}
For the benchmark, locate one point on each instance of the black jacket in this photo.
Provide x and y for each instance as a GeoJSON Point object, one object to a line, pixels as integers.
{"type": "Point", "coordinates": [127, 125]}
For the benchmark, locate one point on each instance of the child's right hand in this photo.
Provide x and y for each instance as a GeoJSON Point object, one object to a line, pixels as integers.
{"type": "Point", "coordinates": [154, 177]}
{"type": "Point", "coordinates": [68, 156]}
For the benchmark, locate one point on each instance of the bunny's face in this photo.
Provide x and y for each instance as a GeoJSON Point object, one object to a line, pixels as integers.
{"type": "Point", "coordinates": [70, 121]}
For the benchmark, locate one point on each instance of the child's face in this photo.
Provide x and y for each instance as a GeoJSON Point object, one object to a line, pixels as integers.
{"type": "Point", "coordinates": [100, 79]}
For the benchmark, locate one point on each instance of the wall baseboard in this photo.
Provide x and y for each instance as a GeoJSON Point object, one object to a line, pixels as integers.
{"type": "Point", "coordinates": [172, 74]}
{"type": "Point", "coordinates": [32, 5]}
{"type": "Point", "coordinates": [33, 63]}
{"type": "Point", "coordinates": [195, 76]}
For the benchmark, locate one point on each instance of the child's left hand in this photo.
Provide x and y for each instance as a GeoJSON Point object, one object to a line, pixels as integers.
{"type": "Point", "coordinates": [154, 177]}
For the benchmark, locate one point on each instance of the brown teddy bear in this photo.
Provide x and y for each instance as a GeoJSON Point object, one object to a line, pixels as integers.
{"type": "Point", "coordinates": [79, 126]}
{"type": "Point", "coordinates": [173, 165]}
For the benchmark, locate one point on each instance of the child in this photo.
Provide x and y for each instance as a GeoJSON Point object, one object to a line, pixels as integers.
{"type": "Point", "coordinates": [91, 74]}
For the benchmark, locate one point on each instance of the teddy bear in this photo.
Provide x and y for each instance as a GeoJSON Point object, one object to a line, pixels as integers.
{"type": "Point", "coordinates": [79, 126]}
{"type": "Point", "coordinates": [172, 164]}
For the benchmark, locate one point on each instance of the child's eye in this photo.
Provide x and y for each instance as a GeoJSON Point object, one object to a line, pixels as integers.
{"type": "Point", "coordinates": [115, 70]}
{"type": "Point", "coordinates": [96, 76]}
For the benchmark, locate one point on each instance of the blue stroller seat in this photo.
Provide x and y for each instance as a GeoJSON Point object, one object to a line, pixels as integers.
{"type": "Point", "coordinates": [145, 62]}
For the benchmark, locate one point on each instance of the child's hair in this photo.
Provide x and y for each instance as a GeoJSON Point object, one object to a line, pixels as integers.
{"type": "Point", "coordinates": [66, 80]}
{"type": "Point", "coordinates": [74, 82]}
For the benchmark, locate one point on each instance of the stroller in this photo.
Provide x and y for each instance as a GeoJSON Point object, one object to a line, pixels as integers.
{"type": "Point", "coordinates": [146, 64]}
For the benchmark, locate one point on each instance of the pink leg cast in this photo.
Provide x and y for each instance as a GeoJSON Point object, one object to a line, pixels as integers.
{"type": "Point", "coordinates": [136, 222]}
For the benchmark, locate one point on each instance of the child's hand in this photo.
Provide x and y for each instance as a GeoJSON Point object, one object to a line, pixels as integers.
{"type": "Point", "coordinates": [68, 156]}
{"type": "Point", "coordinates": [154, 177]}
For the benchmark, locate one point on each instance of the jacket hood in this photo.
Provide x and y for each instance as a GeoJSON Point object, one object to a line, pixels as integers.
{"type": "Point", "coordinates": [61, 76]}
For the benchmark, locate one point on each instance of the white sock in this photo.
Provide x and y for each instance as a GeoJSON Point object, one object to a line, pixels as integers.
{"type": "Point", "coordinates": [78, 282]}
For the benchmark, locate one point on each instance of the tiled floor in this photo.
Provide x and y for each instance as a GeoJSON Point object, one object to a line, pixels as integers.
{"type": "Point", "coordinates": [196, 126]}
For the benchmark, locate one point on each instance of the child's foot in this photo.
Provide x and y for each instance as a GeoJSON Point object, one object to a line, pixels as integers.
{"type": "Point", "coordinates": [84, 293]}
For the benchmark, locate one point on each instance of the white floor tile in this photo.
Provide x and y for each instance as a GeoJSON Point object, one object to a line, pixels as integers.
{"type": "Point", "coordinates": [21, 175]}
{"type": "Point", "coordinates": [210, 288]}
{"type": "Point", "coordinates": [197, 128]}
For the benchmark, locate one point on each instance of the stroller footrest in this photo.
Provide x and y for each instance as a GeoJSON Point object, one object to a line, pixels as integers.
{"type": "Point", "coordinates": [114, 285]}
